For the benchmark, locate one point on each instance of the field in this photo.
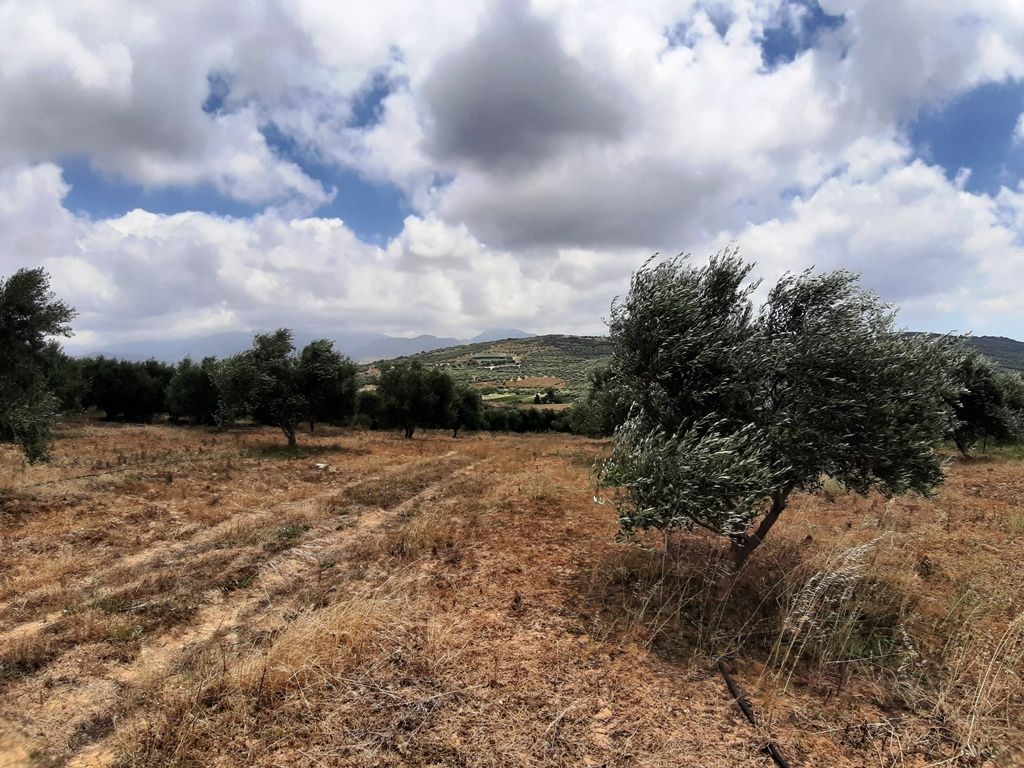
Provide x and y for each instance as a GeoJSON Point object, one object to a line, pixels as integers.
{"type": "Point", "coordinates": [563, 362]}
{"type": "Point", "coordinates": [174, 596]}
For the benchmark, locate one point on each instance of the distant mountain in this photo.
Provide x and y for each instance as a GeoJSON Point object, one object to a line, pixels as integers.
{"type": "Point", "coordinates": [366, 346]}
{"type": "Point", "coordinates": [217, 345]}
{"type": "Point", "coordinates": [498, 334]}
{"type": "Point", "coordinates": [396, 346]}
{"type": "Point", "coordinates": [388, 347]}
{"type": "Point", "coordinates": [222, 345]}
{"type": "Point", "coordinates": [1009, 353]}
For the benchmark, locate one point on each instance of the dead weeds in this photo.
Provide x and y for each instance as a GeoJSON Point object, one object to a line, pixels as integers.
{"type": "Point", "coordinates": [370, 601]}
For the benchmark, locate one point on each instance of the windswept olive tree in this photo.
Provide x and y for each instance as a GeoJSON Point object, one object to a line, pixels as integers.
{"type": "Point", "coordinates": [733, 409]}
{"type": "Point", "coordinates": [328, 379]}
{"type": "Point", "coordinates": [29, 314]}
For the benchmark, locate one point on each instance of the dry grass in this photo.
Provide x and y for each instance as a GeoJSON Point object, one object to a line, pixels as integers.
{"type": "Point", "coordinates": [182, 597]}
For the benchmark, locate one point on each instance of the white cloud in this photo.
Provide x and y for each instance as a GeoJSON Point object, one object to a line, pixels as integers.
{"type": "Point", "coordinates": [125, 87]}
{"type": "Point", "coordinates": [146, 274]}
{"type": "Point", "coordinates": [947, 256]}
{"type": "Point", "coordinates": [622, 128]}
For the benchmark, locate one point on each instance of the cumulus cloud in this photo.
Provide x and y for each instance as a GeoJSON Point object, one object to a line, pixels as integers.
{"type": "Point", "coordinates": [512, 96]}
{"type": "Point", "coordinates": [947, 256]}
{"type": "Point", "coordinates": [125, 88]}
{"type": "Point", "coordinates": [144, 274]}
{"type": "Point", "coordinates": [543, 149]}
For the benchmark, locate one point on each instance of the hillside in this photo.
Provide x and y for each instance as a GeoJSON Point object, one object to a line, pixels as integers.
{"type": "Point", "coordinates": [566, 358]}
{"type": "Point", "coordinates": [571, 358]}
{"type": "Point", "coordinates": [1007, 352]}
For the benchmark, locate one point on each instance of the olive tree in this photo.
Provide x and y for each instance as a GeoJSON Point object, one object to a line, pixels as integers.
{"type": "Point", "coordinates": [192, 391]}
{"type": "Point", "coordinates": [466, 410]}
{"type": "Point", "coordinates": [126, 390]}
{"type": "Point", "coordinates": [328, 379]}
{"type": "Point", "coordinates": [274, 385]}
{"type": "Point", "coordinates": [29, 314]}
{"type": "Point", "coordinates": [734, 409]}
{"type": "Point", "coordinates": [602, 409]}
{"type": "Point", "coordinates": [413, 396]}
{"type": "Point", "coordinates": [989, 403]}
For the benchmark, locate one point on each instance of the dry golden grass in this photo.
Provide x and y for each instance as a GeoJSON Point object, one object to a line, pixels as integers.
{"type": "Point", "coordinates": [183, 597]}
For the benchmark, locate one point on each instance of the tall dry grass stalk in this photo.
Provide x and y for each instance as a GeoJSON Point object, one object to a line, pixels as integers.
{"type": "Point", "coordinates": [836, 616]}
{"type": "Point", "coordinates": [979, 682]}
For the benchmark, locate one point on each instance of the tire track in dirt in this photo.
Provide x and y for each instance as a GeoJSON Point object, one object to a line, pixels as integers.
{"type": "Point", "coordinates": [169, 549]}
{"type": "Point", "coordinates": [218, 619]}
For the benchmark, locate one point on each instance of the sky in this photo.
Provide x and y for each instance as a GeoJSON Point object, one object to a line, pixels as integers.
{"type": "Point", "coordinates": [190, 168]}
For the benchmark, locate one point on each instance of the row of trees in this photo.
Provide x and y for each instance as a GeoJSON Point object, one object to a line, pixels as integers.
{"type": "Point", "coordinates": [271, 383]}
{"type": "Point", "coordinates": [987, 400]}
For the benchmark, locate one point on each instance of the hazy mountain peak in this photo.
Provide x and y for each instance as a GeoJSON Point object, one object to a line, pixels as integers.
{"type": "Point", "coordinates": [497, 334]}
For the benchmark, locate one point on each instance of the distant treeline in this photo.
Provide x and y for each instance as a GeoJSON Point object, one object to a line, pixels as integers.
{"type": "Point", "coordinates": [273, 383]}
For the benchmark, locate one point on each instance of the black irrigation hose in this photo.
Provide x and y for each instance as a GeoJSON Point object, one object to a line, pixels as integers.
{"type": "Point", "coordinates": [744, 704]}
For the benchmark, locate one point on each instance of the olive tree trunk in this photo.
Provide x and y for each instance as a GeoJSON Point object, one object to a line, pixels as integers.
{"type": "Point", "coordinates": [744, 544]}
{"type": "Point", "coordinates": [289, 432]}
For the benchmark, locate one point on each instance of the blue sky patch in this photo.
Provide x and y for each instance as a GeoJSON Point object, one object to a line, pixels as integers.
{"type": "Point", "coordinates": [721, 17]}
{"type": "Point", "coordinates": [102, 196]}
{"type": "Point", "coordinates": [976, 131]}
{"type": "Point", "coordinates": [219, 90]}
{"type": "Point", "coordinates": [374, 211]}
{"type": "Point", "coordinates": [368, 103]}
{"type": "Point", "coordinates": [800, 24]}
{"type": "Point", "coordinates": [680, 34]}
